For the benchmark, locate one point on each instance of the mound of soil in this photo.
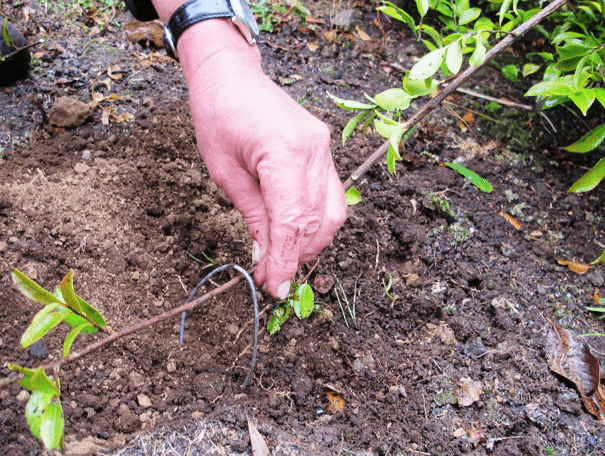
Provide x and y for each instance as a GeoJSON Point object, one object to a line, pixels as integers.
{"type": "Point", "coordinates": [437, 296]}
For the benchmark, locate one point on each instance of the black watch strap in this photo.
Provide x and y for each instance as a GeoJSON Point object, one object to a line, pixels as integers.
{"type": "Point", "coordinates": [190, 13]}
{"type": "Point", "coordinates": [142, 10]}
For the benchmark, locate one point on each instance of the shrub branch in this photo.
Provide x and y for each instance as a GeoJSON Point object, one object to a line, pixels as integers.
{"type": "Point", "coordinates": [428, 107]}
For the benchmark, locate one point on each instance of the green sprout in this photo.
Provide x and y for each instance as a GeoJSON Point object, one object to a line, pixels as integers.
{"type": "Point", "coordinates": [301, 300]}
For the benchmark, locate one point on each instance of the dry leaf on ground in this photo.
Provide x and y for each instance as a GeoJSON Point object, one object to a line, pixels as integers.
{"type": "Point", "coordinates": [469, 392]}
{"type": "Point", "coordinates": [337, 403]}
{"type": "Point", "coordinates": [573, 359]}
{"type": "Point", "coordinates": [512, 220]}
{"type": "Point", "coordinates": [259, 446]}
{"type": "Point", "coordinates": [578, 268]}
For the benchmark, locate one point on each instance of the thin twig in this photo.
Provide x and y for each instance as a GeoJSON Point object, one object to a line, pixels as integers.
{"type": "Point", "coordinates": [459, 80]}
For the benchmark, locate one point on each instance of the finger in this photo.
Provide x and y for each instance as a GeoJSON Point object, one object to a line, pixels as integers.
{"type": "Point", "coordinates": [245, 193]}
{"type": "Point", "coordinates": [284, 189]}
{"type": "Point", "coordinates": [334, 215]}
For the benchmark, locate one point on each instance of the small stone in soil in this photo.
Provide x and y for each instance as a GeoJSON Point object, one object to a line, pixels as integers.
{"type": "Point", "coordinates": [37, 350]}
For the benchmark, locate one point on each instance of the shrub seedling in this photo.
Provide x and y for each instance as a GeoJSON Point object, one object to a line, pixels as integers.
{"type": "Point", "coordinates": [301, 300]}
{"type": "Point", "coordinates": [43, 411]}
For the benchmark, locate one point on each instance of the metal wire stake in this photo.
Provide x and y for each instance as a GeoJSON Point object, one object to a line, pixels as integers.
{"type": "Point", "coordinates": [256, 316]}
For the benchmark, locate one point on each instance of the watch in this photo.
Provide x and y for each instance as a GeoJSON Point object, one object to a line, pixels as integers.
{"type": "Point", "coordinates": [195, 11]}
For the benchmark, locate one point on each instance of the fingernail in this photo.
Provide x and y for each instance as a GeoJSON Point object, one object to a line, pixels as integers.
{"type": "Point", "coordinates": [255, 252]}
{"type": "Point", "coordinates": [284, 289]}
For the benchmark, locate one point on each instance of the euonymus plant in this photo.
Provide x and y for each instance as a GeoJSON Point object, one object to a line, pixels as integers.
{"type": "Point", "coordinates": [301, 300]}
{"type": "Point", "coordinates": [571, 66]}
{"type": "Point", "coordinates": [43, 411]}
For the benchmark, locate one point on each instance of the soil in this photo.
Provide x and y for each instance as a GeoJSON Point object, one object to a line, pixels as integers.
{"type": "Point", "coordinates": [444, 294]}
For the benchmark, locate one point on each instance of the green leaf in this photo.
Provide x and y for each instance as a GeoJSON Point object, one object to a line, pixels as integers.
{"type": "Point", "coordinates": [580, 68]}
{"type": "Point", "coordinates": [478, 56]}
{"type": "Point", "coordinates": [453, 57]}
{"type": "Point", "coordinates": [434, 34]}
{"type": "Point", "coordinates": [479, 182]}
{"type": "Point", "coordinates": [601, 259]}
{"type": "Point", "coordinates": [34, 410]}
{"type": "Point", "coordinates": [511, 72]}
{"type": "Point", "coordinates": [573, 37]}
{"type": "Point", "coordinates": [392, 157]}
{"type": "Point", "coordinates": [469, 15]}
{"type": "Point", "coordinates": [589, 180]}
{"type": "Point", "coordinates": [583, 99]}
{"type": "Point", "coordinates": [504, 8]}
{"type": "Point", "coordinates": [393, 99]}
{"type": "Point", "coordinates": [350, 105]}
{"type": "Point", "coordinates": [279, 317]}
{"type": "Point", "coordinates": [352, 124]}
{"type": "Point", "coordinates": [32, 290]}
{"type": "Point", "coordinates": [52, 425]}
{"type": "Point", "coordinates": [557, 87]}
{"type": "Point", "coordinates": [384, 129]}
{"type": "Point", "coordinates": [69, 294]}
{"type": "Point", "coordinates": [461, 6]}
{"type": "Point", "coordinates": [71, 338]}
{"type": "Point", "coordinates": [352, 196]}
{"type": "Point", "coordinates": [545, 55]}
{"type": "Point", "coordinates": [600, 94]}
{"type": "Point", "coordinates": [304, 303]}
{"type": "Point", "coordinates": [397, 13]}
{"type": "Point", "coordinates": [35, 380]}
{"type": "Point", "coordinates": [8, 39]}
{"type": "Point", "coordinates": [423, 7]}
{"type": "Point", "coordinates": [530, 68]}
{"type": "Point", "coordinates": [91, 313]}
{"type": "Point", "coordinates": [75, 320]}
{"type": "Point", "coordinates": [45, 320]}
{"type": "Point", "coordinates": [395, 139]}
{"type": "Point", "coordinates": [428, 65]}
{"type": "Point", "coordinates": [484, 24]}
{"type": "Point", "coordinates": [444, 9]}
{"type": "Point", "coordinates": [419, 88]}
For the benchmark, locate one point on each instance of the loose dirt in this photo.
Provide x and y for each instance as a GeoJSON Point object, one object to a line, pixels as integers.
{"type": "Point", "coordinates": [446, 299]}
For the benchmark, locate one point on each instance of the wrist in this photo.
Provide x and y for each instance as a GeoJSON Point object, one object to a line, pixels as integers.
{"type": "Point", "coordinates": [215, 40]}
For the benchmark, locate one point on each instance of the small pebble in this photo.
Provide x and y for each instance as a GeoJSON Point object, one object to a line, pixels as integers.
{"type": "Point", "coordinates": [23, 396]}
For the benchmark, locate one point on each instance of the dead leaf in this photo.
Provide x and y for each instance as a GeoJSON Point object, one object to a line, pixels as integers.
{"type": "Point", "coordinates": [512, 220]}
{"type": "Point", "coordinates": [468, 118]}
{"type": "Point", "coordinates": [476, 435]}
{"type": "Point", "coordinates": [313, 46]}
{"type": "Point", "coordinates": [259, 446]}
{"type": "Point", "coordinates": [114, 76]}
{"type": "Point", "coordinates": [330, 36]}
{"type": "Point", "coordinates": [573, 359]}
{"type": "Point", "coordinates": [97, 97]}
{"type": "Point", "coordinates": [469, 392]}
{"type": "Point", "coordinates": [578, 268]}
{"type": "Point", "coordinates": [105, 116]}
{"type": "Point", "coordinates": [337, 403]}
{"type": "Point", "coordinates": [323, 283]}
{"type": "Point", "coordinates": [145, 32]}
{"type": "Point", "coordinates": [460, 432]}
{"type": "Point", "coordinates": [597, 296]}
{"type": "Point", "coordinates": [363, 35]}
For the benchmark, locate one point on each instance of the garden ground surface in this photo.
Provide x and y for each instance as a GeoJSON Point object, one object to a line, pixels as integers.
{"type": "Point", "coordinates": [446, 351]}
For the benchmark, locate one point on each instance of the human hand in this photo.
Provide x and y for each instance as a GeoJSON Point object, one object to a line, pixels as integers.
{"type": "Point", "coordinates": [268, 154]}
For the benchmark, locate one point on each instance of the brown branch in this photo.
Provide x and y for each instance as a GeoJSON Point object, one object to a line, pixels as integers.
{"type": "Point", "coordinates": [459, 80]}
{"type": "Point", "coordinates": [132, 329]}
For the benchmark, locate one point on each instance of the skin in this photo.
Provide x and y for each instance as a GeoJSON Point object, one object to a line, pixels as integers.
{"type": "Point", "coordinates": [268, 154]}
